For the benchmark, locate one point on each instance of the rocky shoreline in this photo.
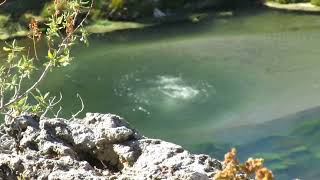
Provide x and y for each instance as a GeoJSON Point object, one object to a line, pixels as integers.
{"type": "Point", "coordinates": [100, 146]}
{"type": "Point", "coordinates": [303, 7]}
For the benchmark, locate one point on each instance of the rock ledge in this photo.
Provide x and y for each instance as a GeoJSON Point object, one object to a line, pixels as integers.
{"type": "Point", "coordinates": [100, 146]}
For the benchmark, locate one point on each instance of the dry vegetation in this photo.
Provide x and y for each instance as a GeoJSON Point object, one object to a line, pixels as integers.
{"type": "Point", "coordinates": [233, 170]}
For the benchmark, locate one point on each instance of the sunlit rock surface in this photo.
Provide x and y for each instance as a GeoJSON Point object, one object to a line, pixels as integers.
{"type": "Point", "coordinates": [100, 146]}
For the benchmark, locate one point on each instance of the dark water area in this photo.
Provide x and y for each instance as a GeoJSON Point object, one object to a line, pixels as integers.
{"type": "Point", "coordinates": [250, 80]}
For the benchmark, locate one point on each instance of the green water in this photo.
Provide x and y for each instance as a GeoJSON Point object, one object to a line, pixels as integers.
{"type": "Point", "coordinates": [189, 82]}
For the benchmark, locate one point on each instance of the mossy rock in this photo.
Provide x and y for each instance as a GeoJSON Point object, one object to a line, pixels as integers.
{"type": "Point", "coordinates": [290, 1]}
{"type": "Point", "coordinates": [105, 26]}
{"type": "Point", "coordinates": [12, 30]}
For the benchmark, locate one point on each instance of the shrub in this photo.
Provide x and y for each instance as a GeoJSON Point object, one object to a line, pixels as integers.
{"type": "Point", "coordinates": [16, 85]}
{"type": "Point", "coordinates": [232, 169]}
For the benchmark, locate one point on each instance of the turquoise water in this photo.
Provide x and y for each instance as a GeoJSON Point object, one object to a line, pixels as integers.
{"type": "Point", "coordinates": [198, 83]}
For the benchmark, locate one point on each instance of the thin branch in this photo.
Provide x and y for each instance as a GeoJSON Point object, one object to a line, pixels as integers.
{"type": "Point", "coordinates": [57, 102]}
{"type": "Point", "coordinates": [50, 105]}
{"type": "Point", "coordinates": [19, 85]}
{"type": "Point", "coordinates": [1, 96]}
{"type": "Point", "coordinates": [35, 85]}
{"type": "Point", "coordinates": [86, 17]}
{"type": "Point", "coordinates": [80, 25]}
{"type": "Point", "coordinates": [35, 48]}
{"type": "Point", "coordinates": [45, 71]}
{"type": "Point", "coordinates": [82, 108]}
{"type": "Point", "coordinates": [4, 1]}
{"type": "Point", "coordinates": [54, 104]}
{"type": "Point", "coordinates": [58, 112]}
{"type": "Point", "coordinates": [17, 88]}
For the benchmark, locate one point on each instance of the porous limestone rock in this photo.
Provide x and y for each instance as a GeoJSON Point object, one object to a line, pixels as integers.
{"type": "Point", "coordinates": [100, 146]}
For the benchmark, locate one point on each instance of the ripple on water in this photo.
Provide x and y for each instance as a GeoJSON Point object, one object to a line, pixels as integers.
{"type": "Point", "coordinates": [161, 91]}
{"type": "Point", "coordinates": [175, 87]}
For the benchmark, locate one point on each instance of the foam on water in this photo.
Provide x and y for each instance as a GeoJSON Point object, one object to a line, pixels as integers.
{"type": "Point", "coordinates": [161, 92]}
{"type": "Point", "coordinates": [175, 87]}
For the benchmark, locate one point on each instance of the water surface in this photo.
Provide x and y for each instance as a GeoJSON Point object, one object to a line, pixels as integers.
{"type": "Point", "coordinates": [189, 82]}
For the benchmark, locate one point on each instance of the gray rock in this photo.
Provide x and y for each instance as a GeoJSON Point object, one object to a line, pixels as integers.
{"type": "Point", "coordinates": [100, 146]}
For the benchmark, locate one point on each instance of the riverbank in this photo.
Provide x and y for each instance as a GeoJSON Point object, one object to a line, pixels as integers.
{"type": "Point", "coordinates": [106, 26]}
{"type": "Point", "coordinates": [5, 34]}
{"type": "Point", "coordinates": [16, 30]}
{"type": "Point", "coordinates": [10, 30]}
{"type": "Point", "coordinates": [304, 7]}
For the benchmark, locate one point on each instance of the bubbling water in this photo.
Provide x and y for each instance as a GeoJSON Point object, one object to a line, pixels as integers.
{"type": "Point", "coordinates": [175, 87]}
{"type": "Point", "coordinates": [161, 91]}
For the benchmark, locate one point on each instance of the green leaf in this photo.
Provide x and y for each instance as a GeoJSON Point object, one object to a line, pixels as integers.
{"type": "Point", "coordinates": [50, 55]}
{"type": "Point", "coordinates": [46, 95]}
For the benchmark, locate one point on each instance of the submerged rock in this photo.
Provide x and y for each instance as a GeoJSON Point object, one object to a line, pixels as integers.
{"type": "Point", "coordinates": [157, 13]}
{"type": "Point", "coordinates": [100, 146]}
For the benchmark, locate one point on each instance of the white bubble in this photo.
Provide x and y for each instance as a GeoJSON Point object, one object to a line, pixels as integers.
{"type": "Point", "coordinates": [176, 88]}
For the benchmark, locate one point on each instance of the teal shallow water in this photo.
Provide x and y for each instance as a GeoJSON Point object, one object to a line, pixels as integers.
{"type": "Point", "coordinates": [186, 82]}
{"type": "Point", "coordinates": [225, 71]}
